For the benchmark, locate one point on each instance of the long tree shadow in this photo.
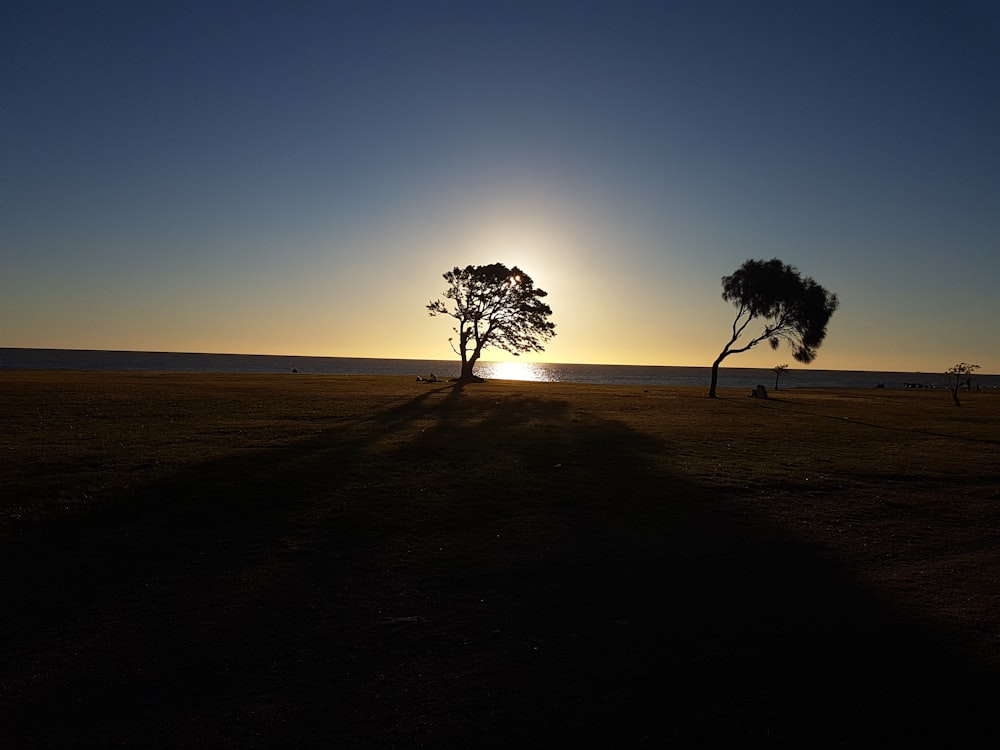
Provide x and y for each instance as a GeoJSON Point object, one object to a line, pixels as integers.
{"type": "Point", "coordinates": [617, 604]}
{"type": "Point", "coordinates": [245, 500]}
{"type": "Point", "coordinates": [466, 569]}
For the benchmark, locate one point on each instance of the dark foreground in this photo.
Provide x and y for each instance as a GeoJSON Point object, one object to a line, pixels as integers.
{"type": "Point", "coordinates": [500, 572]}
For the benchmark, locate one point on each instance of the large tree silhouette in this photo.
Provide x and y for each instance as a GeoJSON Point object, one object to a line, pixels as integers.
{"type": "Point", "coordinates": [494, 306]}
{"type": "Point", "coordinates": [792, 308]}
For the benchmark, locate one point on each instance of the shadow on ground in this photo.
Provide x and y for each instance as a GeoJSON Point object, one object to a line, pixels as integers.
{"type": "Point", "coordinates": [457, 571]}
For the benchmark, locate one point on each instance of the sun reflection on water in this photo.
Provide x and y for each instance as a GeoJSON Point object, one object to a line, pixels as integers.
{"type": "Point", "coordinates": [534, 371]}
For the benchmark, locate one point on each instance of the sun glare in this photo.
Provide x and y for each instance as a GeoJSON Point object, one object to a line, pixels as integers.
{"type": "Point", "coordinates": [533, 371]}
{"type": "Point", "coordinates": [531, 248]}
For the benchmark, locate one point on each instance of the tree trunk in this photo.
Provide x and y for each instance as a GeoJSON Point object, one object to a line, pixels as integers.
{"type": "Point", "coordinates": [467, 364]}
{"type": "Point", "coordinates": [466, 375]}
{"type": "Point", "coordinates": [715, 376]}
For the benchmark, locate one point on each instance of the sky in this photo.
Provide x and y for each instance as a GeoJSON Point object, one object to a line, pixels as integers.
{"type": "Point", "coordinates": [295, 177]}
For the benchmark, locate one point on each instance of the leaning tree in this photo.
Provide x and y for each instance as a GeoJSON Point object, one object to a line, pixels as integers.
{"type": "Point", "coordinates": [791, 308]}
{"type": "Point", "coordinates": [493, 306]}
{"type": "Point", "coordinates": [957, 375]}
{"type": "Point", "coordinates": [778, 371]}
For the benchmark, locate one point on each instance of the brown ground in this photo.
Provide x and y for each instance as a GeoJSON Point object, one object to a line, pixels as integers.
{"type": "Point", "coordinates": [303, 561]}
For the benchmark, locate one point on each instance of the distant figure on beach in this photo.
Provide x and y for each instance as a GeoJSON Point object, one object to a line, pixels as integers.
{"type": "Point", "coordinates": [431, 379]}
{"type": "Point", "coordinates": [759, 392]}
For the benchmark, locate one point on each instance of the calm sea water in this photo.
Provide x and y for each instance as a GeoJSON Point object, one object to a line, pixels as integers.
{"type": "Point", "coordinates": [70, 359]}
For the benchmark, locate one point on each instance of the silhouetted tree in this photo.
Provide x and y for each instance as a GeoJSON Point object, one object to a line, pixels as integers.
{"type": "Point", "coordinates": [494, 306]}
{"type": "Point", "coordinates": [957, 375]}
{"type": "Point", "coordinates": [793, 309]}
{"type": "Point", "coordinates": [779, 370]}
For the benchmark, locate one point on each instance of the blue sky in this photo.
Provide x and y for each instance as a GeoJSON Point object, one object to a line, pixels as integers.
{"type": "Point", "coordinates": [294, 177]}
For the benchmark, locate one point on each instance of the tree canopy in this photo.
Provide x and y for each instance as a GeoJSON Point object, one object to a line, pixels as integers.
{"type": "Point", "coordinates": [793, 309]}
{"type": "Point", "coordinates": [493, 306]}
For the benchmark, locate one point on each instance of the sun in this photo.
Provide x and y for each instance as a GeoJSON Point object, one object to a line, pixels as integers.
{"type": "Point", "coordinates": [526, 246]}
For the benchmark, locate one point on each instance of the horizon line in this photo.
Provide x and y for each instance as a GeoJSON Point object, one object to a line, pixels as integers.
{"type": "Point", "coordinates": [485, 361]}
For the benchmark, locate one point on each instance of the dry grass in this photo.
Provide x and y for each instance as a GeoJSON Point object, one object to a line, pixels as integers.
{"type": "Point", "coordinates": [233, 560]}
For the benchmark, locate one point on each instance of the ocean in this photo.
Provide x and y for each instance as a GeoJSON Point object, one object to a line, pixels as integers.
{"type": "Point", "coordinates": [639, 375]}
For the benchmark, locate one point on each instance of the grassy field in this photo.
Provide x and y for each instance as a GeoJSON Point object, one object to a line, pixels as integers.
{"type": "Point", "coordinates": [303, 561]}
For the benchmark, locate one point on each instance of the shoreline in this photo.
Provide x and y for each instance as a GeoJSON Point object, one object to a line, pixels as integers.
{"type": "Point", "coordinates": [737, 376]}
{"type": "Point", "coordinates": [731, 389]}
